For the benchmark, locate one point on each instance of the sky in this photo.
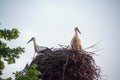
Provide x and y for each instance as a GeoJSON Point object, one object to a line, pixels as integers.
{"type": "Point", "coordinates": [52, 22]}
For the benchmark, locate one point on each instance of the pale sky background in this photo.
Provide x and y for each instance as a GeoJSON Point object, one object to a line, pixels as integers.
{"type": "Point", "coordinates": [52, 22]}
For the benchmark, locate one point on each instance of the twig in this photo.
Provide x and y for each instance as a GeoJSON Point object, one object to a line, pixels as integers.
{"type": "Point", "coordinates": [97, 50]}
{"type": "Point", "coordinates": [64, 68]}
{"type": "Point", "coordinates": [93, 45]}
{"type": "Point", "coordinates": [63, 46]}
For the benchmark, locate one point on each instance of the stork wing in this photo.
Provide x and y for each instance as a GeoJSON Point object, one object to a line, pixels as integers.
{"type": "Point", "coordinates": [40, 48]}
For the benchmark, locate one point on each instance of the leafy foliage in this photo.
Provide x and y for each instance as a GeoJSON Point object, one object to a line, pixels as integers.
{"type": "Point", "coordinates": [9, 34]}
{"type": "Point", "coordinates": [6, 78]}
{"type": "Point", "coordinates": [6, 53]}
{"type": "Point", "coordinates": [11, 54]}
{"type": "Point", "coordinates": [30, 74]}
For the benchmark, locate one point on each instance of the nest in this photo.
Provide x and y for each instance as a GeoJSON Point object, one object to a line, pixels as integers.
{"type": "Point", "coordinates": [65, 64]}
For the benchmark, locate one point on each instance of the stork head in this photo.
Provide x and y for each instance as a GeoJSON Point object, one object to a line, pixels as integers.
{"type": "Point", "coordinates": [76, 29]}
{"type": "Point", "coordinates": [33, 38]}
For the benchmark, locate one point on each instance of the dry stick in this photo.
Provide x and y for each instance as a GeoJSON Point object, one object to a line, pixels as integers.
{"type": "Point", "coordinates": [26, 67]}
{"type": "Point", "coordinates": [98, 50]}
{"type": "Point", "coordinates": [50, 75]}
{"type": "Point", "coordinates": [44, 72]}
{"type": "Point", "coordinates": [64, 68]}
{"type": "Point", "coordinates": [63, 46]}
{"type": "Point", "coordinates": [93, 45]}
{"type": "Point", "coordinates": [93, 52]}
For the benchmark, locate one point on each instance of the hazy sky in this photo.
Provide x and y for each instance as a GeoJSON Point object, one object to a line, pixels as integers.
{"type": "Point", "coordinates": [52, 23]}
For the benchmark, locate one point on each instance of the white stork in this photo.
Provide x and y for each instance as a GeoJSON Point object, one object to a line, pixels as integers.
{"type": "Point", "coordinates": [37, 48]}
{"type": "Point", "coordinates": [76, 41]}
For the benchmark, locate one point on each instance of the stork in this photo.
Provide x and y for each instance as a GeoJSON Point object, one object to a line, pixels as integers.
{"type": "Point", "coordinates": [76, 41]}
{"type": "Point", "coordinates": [38, 49]}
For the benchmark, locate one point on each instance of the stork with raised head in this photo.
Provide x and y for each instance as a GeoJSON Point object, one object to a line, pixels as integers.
{"type": "Point", "coordinates": [38, 49]}
{"type": "Point", "coordinates": [76, 41]}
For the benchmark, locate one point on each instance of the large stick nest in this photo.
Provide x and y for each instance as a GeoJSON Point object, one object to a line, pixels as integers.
{"type": "Point", "coordinates": [65, 64]}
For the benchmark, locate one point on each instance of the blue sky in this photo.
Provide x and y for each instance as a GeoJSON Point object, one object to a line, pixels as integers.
{"type": "Point", "coordinates": [52, 23]}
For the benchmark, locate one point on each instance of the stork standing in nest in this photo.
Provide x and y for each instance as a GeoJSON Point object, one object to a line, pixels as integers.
{"type": "Point", "coordinates": [76, 41]}
{"type": "Point", "coordinates": [38, 49]}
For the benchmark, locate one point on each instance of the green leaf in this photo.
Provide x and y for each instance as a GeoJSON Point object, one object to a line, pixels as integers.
{"type": "Point", "coordinates": [9, 78]}
{"type": "Point", "coordinates": [0, 34]}
{"type": "Point", "coordinates": [34, 66]}
{"type": "Point", "coordinates": [1, 65]}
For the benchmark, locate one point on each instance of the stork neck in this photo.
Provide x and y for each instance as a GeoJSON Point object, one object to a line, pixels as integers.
{"type": "Point", "coordinates": [34, 41]}
{"type": "Point", "coordinates": [76, 33]}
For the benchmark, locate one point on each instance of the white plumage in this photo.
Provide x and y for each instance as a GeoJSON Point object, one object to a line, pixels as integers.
{"type": "Point", "coordinates": [37, 48]}
{"type": "Point", "coordinates": [76, 41]}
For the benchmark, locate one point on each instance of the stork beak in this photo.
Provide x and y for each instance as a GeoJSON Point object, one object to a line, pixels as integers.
{"type": "Point", "coordinates": [29, 41]}
{"type": "Point", "coordinates": [78, 30]}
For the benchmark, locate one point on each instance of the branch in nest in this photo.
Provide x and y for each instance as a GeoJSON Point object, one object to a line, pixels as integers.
{"type": "Point", "coordinates": [94, 45]}
{"type": "Point", "coordinates": [64, 46]}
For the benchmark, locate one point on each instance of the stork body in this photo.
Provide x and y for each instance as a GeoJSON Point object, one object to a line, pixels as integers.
{"type": "Point", "coordinates": [76, 41]}
{"type": "Point", "coordinates": [37, 48]}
